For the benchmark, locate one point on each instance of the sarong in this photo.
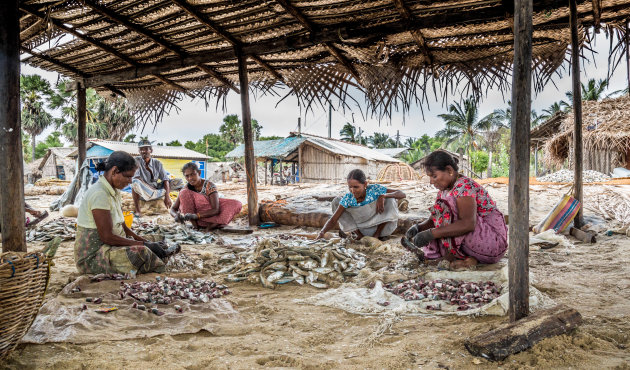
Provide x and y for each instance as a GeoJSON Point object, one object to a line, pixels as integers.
{"type": "Point", "coordinates": [194, 202]}
{"type": "Point", "coordinates": [365, 218]}
{"type": "Point", "coordinates": [149, 192]}
{"type": "Point", "coordinates": [93, 257]}
{"type": "Point", "coordinates": [487, 243]}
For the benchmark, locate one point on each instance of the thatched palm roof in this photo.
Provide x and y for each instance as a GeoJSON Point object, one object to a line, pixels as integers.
{"type": "Point", "coordinates": [153, 52]}
{"type": "Point", "coordinates": [606, 126]}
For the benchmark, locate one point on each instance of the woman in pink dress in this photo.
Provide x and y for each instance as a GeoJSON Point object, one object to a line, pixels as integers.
{"type": "Point", "coordinates": [465, 226]}
{"type": "Point", "coordinates": [200, 204]}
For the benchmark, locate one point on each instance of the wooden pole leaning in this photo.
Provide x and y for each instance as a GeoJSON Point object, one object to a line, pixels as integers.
{"type": "Point", "coordinates": [250, 160]}
{"type": "Point", "coordinates": [81, 123]}
{"type": "Point", "coordinates": [11, 160]}
{"type": "Point", "coordinates": [577, 112]}
{"type": "Point", "coordinates": [519, 162]}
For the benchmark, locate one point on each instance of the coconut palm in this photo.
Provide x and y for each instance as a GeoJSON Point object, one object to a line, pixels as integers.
{"type": "Point", "coordinates": [381, 140]}
{"type": "Point", "coordinates": [463, 126]}
{"type": "Point", "coordinates": [349, 133]}
{"type": "Point", "coordinates": [409, 142]}
{"type": "Point", "coordinates": [593, 90]}
{"type": "Point", "coordinates": [35, 119]}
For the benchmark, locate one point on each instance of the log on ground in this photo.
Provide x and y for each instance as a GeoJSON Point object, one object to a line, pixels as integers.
{"type": "Point", "coordinates": [518, 336]}
{"type": "Point", "coordinates": [285, 215]}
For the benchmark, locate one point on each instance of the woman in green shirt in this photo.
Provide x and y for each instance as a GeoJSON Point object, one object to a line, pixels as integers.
{"type": "Point", "coordinates": [104, 244]}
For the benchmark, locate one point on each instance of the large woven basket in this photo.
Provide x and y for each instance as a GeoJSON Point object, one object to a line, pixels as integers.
{"type": "Point", "coordinates": [23, 282]}
{"type": "Point", "coordinates": [397, 172]}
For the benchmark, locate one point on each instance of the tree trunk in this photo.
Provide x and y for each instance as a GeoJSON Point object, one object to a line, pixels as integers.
{"type": "Point", "coordinates": [33, 148]}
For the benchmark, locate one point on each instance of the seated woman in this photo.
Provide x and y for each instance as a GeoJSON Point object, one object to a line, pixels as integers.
{"type": "Point", "coordinates": [199, 202]}
{"type": "Point", "coordinates": [104, 244]}
{"type": "Point", "coordinates": [465, 226]}
{"type": "Point", "coordinates": [367, 210]}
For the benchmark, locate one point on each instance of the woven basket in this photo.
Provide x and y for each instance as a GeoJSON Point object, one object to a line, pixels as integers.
{"type": "Point", "coordinates": [23, 282]}
{"type": "Point", "coordinates": [397, 172]}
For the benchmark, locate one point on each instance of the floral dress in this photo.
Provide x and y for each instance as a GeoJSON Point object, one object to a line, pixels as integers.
{"type": "Point", "coordinates": [192, 201]}
{"type": "Point", "coordinates": [487, 243]}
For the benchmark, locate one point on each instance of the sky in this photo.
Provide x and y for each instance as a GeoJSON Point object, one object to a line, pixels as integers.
{"type": "Point", "coordinates": [192, 120]}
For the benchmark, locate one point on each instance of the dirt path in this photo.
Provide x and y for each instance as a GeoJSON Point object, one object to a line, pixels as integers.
{"type": "Point", "coordinates": [276, 332]}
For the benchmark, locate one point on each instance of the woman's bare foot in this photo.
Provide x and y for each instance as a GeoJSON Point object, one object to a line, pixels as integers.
{"type": "Point", "coordinates": [464, 264]}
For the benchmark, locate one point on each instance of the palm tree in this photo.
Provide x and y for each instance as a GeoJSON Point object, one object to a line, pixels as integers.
{"type": "Point", "coordinates": [593, 90]}
{"type": "Point", "coordinates": [348, 133]}
{"type": "Point", "coordinates": [463, 126]}
{"type": "Point", "coordinates": [35, 119]}
{"type": "Point", "coordinates": [231, 129]}
{"type": "Point", "coordinates": [409, 142]}
{"type": "Point", "coordinates": [381, 140]}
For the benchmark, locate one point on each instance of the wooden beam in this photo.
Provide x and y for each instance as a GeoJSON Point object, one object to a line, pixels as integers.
{"type": "Point", "coordinates": [54, 61]}
{"type": "Point", "coordinates": [515, 337]}
{"type": "Point", "coordinates": [31, 10]}
{"type": "Point", "coordinates": [115, 91]}
{"type": "Point", "coordinates": [519, 162]}
{"type": "Point", "coordinates": [342, 59]}
{"type": "Point", "coordinates": [267, 67]}
{"type": "Point", "coordinates": [203, 19]}
{"type": "Point", "coordinates": [296, 14]}
{"type": "Point", "coordinates": [250, 160]}
{"type": "Point", "coordinates": [174, 85]}
{"type": "Point", "coordinates": [11, 161]}
{"type": "Point", "coordinates": [219, 77]}
{"type": "Point", "coordinates": [81, 123]}
{"type": "Point", "coordinates": [577, 112]}
{"type": "Point", "coordinates": [408, 17]}
{"type": "Point", "coordinates": [122, 20]}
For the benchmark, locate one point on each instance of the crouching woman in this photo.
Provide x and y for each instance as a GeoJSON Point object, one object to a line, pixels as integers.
{"type": "Point", "coordinates": [104, 244]}
{"type": "Point", "coordinates": [465, 226]}
{"type": "Point", "coordinates": [366, 210]}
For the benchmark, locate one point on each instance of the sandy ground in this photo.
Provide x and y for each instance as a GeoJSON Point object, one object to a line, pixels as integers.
{"type": "Point", "coordinates": [276, 332]}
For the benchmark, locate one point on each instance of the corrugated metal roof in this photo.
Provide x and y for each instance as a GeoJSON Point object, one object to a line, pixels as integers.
{"type": "Point", "coordinates": [176, 152]}
{"type": "Point", "coordinates": [276, 149]}
{"type": "Point", "coordinates": [280, 149]}
{"type": "Point", "coordinates": [392, 152]}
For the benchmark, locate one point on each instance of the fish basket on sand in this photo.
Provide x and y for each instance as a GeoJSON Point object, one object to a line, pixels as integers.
{"type": "Point", "coordinates": [23, 282]}
{"type": "Point", "coordinates": [397, 172]}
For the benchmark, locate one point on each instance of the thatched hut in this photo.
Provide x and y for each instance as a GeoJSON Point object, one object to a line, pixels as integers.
{"type": "Point", "coordinates": [606, 136]}
{"type": "Point", "coordinates": [57, 163]}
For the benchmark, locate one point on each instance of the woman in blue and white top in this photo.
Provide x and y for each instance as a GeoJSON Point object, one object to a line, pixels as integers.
{"type": "Point", "coordinates": [366, 210]}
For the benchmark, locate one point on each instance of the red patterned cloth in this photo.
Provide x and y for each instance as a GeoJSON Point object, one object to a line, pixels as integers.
{"type": "Point", "coordinates": [191, 201]}
{"type": "Point", "coordinates": [487, 243]}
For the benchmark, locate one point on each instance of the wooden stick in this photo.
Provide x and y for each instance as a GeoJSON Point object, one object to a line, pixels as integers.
{"type": "Point", "coordinates": [519, 162]}
{"type": "Point", "coordinates": [12, 194]}
{"type": "Point", "coordinates": [250, 160]}
{"type": "Point", "coordinates": [584, 236]}
{"type": "Point", "coordinates": [518, 336]}
{"type": "Point", "coordinates": [81, 123]}
{"type": "Point", "coordinates": [577, 112]}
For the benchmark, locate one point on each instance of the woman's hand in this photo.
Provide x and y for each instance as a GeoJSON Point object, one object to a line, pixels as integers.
{"type": "Point", "coordinates": [380, 204]}
{"type": "Point", "coordinates": [320, 235]}
{"type": "Point", "coordinates": [179, 218]}
{"type": "Point", "coordinates": [191, 216]}
{"type": "Point", "coordinates": [412, 231]}
{"type": "Point", "coordinates": [423, 238]}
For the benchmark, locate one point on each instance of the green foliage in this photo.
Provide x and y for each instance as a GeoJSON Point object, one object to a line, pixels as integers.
{"type": "Point", "coordinates": [479, 161]}
{"type": "Point", "coordinates": [174, 143]}
{"type": "Point", "coordinates": [232, 129]}
{"type": "Point", "coordinates": [422, 147]}
{"type": "Point", "coordinates": [266, 138]}
{"type": "Point", "coordinates": [501, 166]}
{"type": "Point", "coordinates": [131, 138]}
{"type": "Point", "coordinates": [381, 140]}
{"type": "Point", "coordinates": [34, 90]}
{"type": "Point", "coordinates": [52, 141]}
{"type": "Point", "coordinates": [212, 145]}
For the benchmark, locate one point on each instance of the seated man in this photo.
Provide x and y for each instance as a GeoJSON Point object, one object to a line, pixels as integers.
{"type": "Point", "coordinates": [150, 181]}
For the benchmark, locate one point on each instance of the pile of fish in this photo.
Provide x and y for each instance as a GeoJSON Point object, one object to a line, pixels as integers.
{"type": "Point", "coordinates": [181, 262]}
{"type": "Point", "coordinates": [465, 295]}
{"type": "Point", "coordinates": [567, 176]}
{"type": "Point", "coordinates": [174, 233]}
{"type": "Point", "coordinates": [167, 290]}
{"type": "Point", "coordinates": [274, 262]}
{"type": "Point", "coordinates": [59, 227]}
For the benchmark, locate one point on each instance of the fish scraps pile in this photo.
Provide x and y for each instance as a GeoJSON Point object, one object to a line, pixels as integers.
{"type": "Point", "coordinates": [274, 262]}
{"type": "Point", "coordinates": [167, 290]}
{"type": "Point", "coordinates": [567, 176]}
{"type": "Point", "coordinates": [60, 227]}
{"type": "Point", "coordinates": [174, 233]}
{"type": "Point", "coordinates": [465, 295]}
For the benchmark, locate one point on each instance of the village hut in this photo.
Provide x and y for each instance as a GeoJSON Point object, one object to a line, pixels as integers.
{"type": "Point", "coordinates": [320, 159]}
{"type": "Point", "coordinates": [172, 157]}
{"type": "Point", "coordinates": [57, 163]}
{"type": "Point", "coordinates": [606, 136]}
{"type": "Point", "coordinates": [397, 153]}
{"type": "Point", "coordinates": [463, 163]}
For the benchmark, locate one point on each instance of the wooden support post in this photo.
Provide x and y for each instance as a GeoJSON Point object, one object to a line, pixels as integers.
{"type": "Point", "coordinates": [281, 173]}
{"type": "Point", "coordinates": [266, 167]}
{"type": "Point", "coordinates": [300, 169]}
{"type": "Point", "coordinates": [536, 161]}
{"type": "Point", "coordinates": [250, 160]}
{"type": "Point", "coordinates": [81, 123]}
{"type": "Point", "coordinates": [11, 161]}
{"type": "Point", "coordinates": [577, 112]}
{"type": "Point", "coordinates": [519, 161]}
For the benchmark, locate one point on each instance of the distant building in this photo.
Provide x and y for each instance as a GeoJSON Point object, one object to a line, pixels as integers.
{"type": "Point", "coordinates": [318, 159]}
{"type": "Point", "coordinates": [57, 163]}
{"type": "Point", "coordinates": [172, 157]}
{"type": "Point", "coordinates": [394, 152]}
